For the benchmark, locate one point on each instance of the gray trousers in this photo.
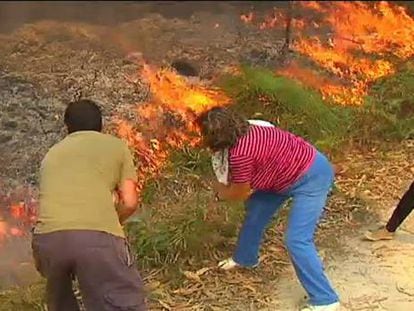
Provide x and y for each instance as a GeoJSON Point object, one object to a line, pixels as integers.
{"type": "Point", "coordinates": [102, 264]}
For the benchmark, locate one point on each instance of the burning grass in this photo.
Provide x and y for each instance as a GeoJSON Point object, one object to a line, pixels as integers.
{"type": "Point", "coordinates": [179, 236]}
{"type": "Point", "coordinates": [172, 109]}
{"type": "Point", "coordinates": [180, 272]}
{"type": "Point", "coordinates": [20, 213]}
{"type": "Point", "coordinates": [299, 108]}
{"type": "Point", "coordinates": [366, 42]}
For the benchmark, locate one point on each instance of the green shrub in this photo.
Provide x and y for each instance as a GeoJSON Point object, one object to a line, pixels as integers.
{"type": "Point", "coordinates": [163, 236]}
{"type": "Point", "coordinates": [387, 113]}
{"type": "Point", "coordinates": [392, 98]}
{"type": "Point", "coordinates": [172, 227]}
{"type": "Point", "coordinates": [290, 105]}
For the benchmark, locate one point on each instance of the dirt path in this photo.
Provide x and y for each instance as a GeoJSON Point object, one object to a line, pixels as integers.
{"type": "Point", "coordinates": [372, 276]}
{"type": "Point", "coordinates": [368, 276]}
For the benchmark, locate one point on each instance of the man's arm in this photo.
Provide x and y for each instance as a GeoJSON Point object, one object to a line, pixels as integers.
{"type": "Point", "coordinates": [127, 200]}
{"type": "Point", "coordinates": [127, 188]}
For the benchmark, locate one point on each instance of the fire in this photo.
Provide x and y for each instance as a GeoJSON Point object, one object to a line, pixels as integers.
{"type": "Point", "coordinates": [17, 210]}
{"type": "Point", "coordinates": [164, 123]}
{"type": "Point", "coordinates": [326, 86]}
{"type": "Point", "coordinates": [367, 41]}
{"type": "Point", "coordinates": [167, 120]}
{"type": "Point", "coordinates": [247, 18]}
{"type": "Point", "coordinates": [272, 20]}
{"type": "Point", "coordinates": [18, 213]}
{"type": "Point", "coordinates": [176, 93]}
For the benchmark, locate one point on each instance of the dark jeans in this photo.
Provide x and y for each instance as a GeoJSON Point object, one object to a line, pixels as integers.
{"type": "Point", "coordinates": [100, 261]}
{"type": "Point", "coordinates": [403, 209]}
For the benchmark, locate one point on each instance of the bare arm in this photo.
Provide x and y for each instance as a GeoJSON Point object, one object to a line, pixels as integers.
{"type": "Point", "coordinates": [126, 198]}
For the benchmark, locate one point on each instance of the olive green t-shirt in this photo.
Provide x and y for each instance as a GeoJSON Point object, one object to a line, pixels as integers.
{"type": "Point", "coordinates": [77, 177]}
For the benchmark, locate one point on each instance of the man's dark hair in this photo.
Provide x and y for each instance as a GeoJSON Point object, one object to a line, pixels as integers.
{"type": "Point", "coordinates": [83, 115]}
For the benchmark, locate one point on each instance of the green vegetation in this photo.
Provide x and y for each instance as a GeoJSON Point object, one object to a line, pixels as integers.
{"type": "Point", "coordinates": [23, 299]}
{"type": "Point", "coordinates": [290, 105]}
{"type": "Point", "coordinates": [178, 229]}
{"type": "Point", "coordinates": [392, 99]}
{"type": "Point", "coordinates": [169, 228]}
{"type": "Point", "coordinates": [384, 116]}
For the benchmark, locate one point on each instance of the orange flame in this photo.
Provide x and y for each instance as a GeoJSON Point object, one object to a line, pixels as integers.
{"type": "Point", "coordinates": [326, 86]}
{"type": "Point", "coordinates": [18, 213]}
{"type": "Point", "coordinates": [17, 210]}
{"type": "Point", "coordinates": [247, 18]}
{"type": "Point", "coordinates": [163, 123]}
{"type": "Point", "coordinates": [167, 120]}
{"type": "Point", "coordinates": [366, 41]}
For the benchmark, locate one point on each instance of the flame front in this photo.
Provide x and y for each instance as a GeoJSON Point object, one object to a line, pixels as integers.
{"type": "Point", "coordinates": [20, 209]}
{"type": "Point", "coordinates": [162, 124]}
{"type": "Point", "coordinates": [366, 43]}
{"type": "Point", "coordinates": [167, 120]}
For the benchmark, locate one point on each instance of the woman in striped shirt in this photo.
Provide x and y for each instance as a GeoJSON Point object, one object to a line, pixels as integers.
{"type": "Point", "coordinates": [263, 165]}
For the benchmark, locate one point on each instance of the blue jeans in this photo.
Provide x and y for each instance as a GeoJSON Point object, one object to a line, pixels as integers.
{"type": "Point", "coordinates": [309, 196]}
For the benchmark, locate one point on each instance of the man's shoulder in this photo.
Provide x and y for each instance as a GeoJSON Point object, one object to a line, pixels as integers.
{"type": "Point", "coordinates": [114, 143]}
{"type": "Point", "coordinates": [93, 138]}
{"type": "Point", "coordinates": [55, 148]}
{"type": "Point", "coordinates": [111, 139]}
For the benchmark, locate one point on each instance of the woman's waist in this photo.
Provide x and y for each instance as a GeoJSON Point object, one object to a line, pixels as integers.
{"type": "Point", "coordinates": [282, 175]}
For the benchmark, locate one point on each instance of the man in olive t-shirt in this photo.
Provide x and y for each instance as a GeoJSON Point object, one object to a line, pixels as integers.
{"type": "Point", "coordinates": [79, 231]}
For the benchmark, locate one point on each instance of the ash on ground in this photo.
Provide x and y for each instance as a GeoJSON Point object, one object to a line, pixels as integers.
{"type": "Point", "coordinates": [46, 64]}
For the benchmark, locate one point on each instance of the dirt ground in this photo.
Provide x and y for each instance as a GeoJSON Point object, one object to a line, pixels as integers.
{"type": "Point", "coordinates": [46, 64]}
{"type": "Point", "coordinates": [368, 276]}
{"type": "Point", "coordinates": [48, 59]}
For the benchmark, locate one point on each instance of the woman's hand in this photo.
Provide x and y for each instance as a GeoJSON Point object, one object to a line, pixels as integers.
{"type": "Point", "coordinates": [234, 192]}
{"type": "Point", "coordinates": [218, 187]}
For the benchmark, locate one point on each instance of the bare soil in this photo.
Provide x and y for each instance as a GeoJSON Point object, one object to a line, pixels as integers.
{"type": "Point", "coordinates": [368, 276]}
{"type": "Point", "coordinates": [43, 65]}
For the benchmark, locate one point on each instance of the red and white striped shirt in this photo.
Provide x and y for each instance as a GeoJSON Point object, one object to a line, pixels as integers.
{"type": "Point", "coordinates": [269, 158]}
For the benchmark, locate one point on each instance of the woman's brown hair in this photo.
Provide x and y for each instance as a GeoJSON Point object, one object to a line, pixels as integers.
{"type": "Point", "coordinates": [221, 127]}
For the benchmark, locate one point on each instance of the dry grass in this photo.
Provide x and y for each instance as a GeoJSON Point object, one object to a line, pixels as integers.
{"type": "Point", "coordinates": [364, 181]}
{"type": "Point", "coordinates": [189, 280]}
{"type": "Point", "coordinates": [178, 237]}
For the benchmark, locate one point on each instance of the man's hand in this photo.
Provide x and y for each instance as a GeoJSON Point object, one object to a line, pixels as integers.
{"type": "Point", "coordinates": [126, 200]}
{"type": "Point", "coordinates": [115, 197]}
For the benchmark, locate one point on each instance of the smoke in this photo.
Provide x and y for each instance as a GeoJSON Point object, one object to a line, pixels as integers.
{"type": "Point", "coordinates": [16, 13]}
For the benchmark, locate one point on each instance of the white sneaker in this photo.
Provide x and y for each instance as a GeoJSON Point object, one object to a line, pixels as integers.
{"type": "Point", "coordinates": [228, 264]}
{"type": "Point", "coordinates": [332, 307]}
